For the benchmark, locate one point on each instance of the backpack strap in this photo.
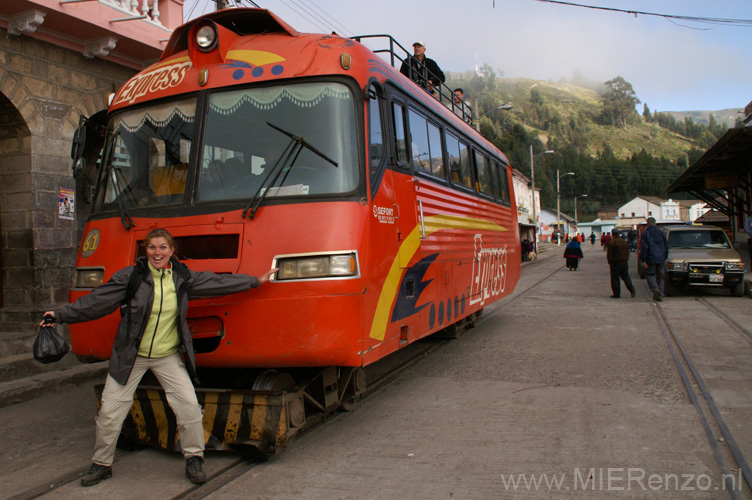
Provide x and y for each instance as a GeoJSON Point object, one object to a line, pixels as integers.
{"type": "Point", "coordinates": [135, 279]}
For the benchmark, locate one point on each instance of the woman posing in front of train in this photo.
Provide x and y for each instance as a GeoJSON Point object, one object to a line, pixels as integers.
{"type": "Point", "coordinates": [152, 335]}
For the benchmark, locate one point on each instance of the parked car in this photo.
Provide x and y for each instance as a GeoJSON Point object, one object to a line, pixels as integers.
{"type": "Point", "coordinates": [702, 256]}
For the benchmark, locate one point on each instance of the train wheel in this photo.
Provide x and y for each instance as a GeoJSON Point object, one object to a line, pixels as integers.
{"type": "Point", "coordinates": [454, 330]}
{"type": "Point", "coordinates": [356, 386]}
{"type": "Point", "coordinates": [474, 318]}
{"type": "Point", "coordinates": [272, 380]}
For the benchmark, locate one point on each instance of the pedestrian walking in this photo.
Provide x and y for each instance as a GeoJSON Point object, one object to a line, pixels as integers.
{"type": "Point", "coordinates": [653, 255]}
{"type": "Point", "coordinates": [617, 254]}
{"type": "Point", "coordinates": [592, 239]}
{"type": "Point", "coordinates": [573, 254]}
{"type": "Point", "coordinates": [632, 237]}
{"type": "Point", "coordinates": [152, 335]}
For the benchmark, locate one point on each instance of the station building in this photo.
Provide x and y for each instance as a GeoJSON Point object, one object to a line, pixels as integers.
{"type": "Point", "coordinates": [59, 59]}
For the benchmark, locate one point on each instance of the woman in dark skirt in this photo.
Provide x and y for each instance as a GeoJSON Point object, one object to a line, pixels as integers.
{"type": "Point", "coordinates": [573, 254]}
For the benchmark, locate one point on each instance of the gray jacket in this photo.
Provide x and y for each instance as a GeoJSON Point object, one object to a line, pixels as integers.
{"type": "Point", "coordinates": [108, 297]}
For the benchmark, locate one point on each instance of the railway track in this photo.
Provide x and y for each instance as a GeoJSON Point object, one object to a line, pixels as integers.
{"type": "Point", "coordinates": [729, 456]}
{"type": "Point", "coordinates": [727, 453]}
{"type": "Point", "coordinates": [379, 374]}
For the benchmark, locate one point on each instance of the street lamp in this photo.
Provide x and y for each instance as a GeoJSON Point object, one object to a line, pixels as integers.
{"type": "Point", "coordinates": [558, 206]}
{"type": "Point", "coordinates": [500, 106]}
{"type": "Point", "coordinates": [532, 184]}
{"type": "Point", "coordinates": [575, 207]}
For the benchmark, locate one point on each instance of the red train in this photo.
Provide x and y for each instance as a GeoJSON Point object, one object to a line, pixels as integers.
{"type": "Point", "coordinates": [389, 217]}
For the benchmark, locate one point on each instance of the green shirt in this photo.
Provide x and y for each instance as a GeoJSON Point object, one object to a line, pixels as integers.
{"type": "Point", "coordinates": [161, 334]}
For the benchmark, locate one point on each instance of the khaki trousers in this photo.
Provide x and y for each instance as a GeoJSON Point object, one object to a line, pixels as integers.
{"type": "Point", "coordinates": [181, 396]}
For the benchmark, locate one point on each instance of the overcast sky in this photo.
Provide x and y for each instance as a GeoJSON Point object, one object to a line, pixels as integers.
{"type": "Point", "coordinates": [672, 65]}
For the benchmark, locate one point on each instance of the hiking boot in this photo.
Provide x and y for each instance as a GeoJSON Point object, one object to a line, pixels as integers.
{"type": "Point", "coordinates": [194, 469]}
{"type": "Point", "coordinates": [96, 473]}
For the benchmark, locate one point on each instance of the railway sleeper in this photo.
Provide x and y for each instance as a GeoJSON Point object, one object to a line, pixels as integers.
{"type": "Point", "coordinates": [259, 422]}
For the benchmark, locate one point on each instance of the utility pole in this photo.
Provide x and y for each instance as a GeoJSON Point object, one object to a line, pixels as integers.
{"type": "Point", "coordinates": [532, 185]}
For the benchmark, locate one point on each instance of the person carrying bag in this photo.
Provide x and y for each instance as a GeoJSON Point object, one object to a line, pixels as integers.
{"type": "Point", "coordinates": [49, 346]}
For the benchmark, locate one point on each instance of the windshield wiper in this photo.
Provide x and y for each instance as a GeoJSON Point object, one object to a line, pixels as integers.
{"type": "Point", "coordinates": [284, 164]}
{"type": "Point", "coordinates": [111, 175]}
{"type": "Point", "coordinates": [125, 217]}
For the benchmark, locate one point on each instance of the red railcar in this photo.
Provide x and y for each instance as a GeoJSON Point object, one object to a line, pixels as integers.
{"type": "Point", "coordinates": [257, 146]}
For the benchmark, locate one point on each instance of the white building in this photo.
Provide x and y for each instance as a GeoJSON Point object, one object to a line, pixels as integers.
{"type": "Point", "coordinates": [642, 206]}
{"type": "Point", "coordinates": [670, 210]}
{"type": "Point", "coordinates": [523, 194]}
{"type": "Point", "coordinates": [682, 210]}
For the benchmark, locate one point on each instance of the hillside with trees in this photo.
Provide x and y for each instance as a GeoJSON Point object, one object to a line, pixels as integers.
{"type": "Point", "coordinates": [597, 133]}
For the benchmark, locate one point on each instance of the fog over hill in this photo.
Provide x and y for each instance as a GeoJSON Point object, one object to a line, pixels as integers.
{"type": "Point", "coordinates": [724, 116]}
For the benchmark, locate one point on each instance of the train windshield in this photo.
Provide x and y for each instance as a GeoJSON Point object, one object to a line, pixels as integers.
{"type": "Point", "coordinates": [147, 161]}
{"type": "Point", "coordinates": [248, 137]}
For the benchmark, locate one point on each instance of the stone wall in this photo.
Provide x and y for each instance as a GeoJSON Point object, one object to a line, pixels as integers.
{"type": "Point", "coordinates": [43, 90]}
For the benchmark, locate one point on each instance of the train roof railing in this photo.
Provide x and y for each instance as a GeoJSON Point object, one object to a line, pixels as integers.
{"type": "Point", "coordinates": [446, 96]}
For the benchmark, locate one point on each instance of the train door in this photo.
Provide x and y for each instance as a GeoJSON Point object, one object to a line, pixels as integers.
{"type": "Point", "coordinates": [405, 186]}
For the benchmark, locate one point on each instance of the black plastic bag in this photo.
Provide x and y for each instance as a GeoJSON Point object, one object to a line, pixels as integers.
{"type": "Point", "coordinates": [49, 347]}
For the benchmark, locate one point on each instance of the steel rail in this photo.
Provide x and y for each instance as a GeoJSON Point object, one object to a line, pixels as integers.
{"type": "Point", "coordinates": [743, 332]}
{"type": "Point", "coordinates": [727, 435]}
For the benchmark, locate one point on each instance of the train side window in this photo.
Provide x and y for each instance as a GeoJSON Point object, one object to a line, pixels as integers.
{"type": "Point", "coordinates": [398, 122]}
{"type": "Point", "coordinates": [484, 183]}
{"type": "Point", "coordinates": [419, 142]}
{"type": "Point", "coordinates": [459, 162]}
{"type": "Point", "coordinates": [503, 181]}
{"type": "Point", "coordinates": [376, 150]}
{"type": "Point", "coordinates": [434, 146]}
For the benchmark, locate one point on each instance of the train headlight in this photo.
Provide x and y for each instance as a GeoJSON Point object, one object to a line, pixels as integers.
{"type": "Point", "coordinates": [206, 37]}
{"type": "Point", "coordinates": [317, 266]}
{"type": "Point", "coordinates": [88, 278]}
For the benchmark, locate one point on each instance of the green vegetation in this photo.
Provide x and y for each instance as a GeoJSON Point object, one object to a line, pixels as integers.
{"type": "Point", "coordinates": [615, 153]}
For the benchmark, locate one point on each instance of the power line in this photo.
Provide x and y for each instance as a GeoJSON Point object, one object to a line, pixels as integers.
{"type": "Point", "coordinates": [745, 23]}
{"type": "Point", "coordinates": [345, 29]}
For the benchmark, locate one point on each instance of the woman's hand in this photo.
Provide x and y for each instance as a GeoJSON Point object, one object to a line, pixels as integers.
{"type": "Point", "coordinates": [267, 275]}
{"type": "Point", "coordinates": [45, 316]}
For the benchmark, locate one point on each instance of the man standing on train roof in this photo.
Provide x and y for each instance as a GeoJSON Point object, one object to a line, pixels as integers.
{"type": "Point", "coordinates": [422, 70]}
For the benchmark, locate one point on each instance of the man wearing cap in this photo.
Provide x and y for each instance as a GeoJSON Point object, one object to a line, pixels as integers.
{"type": "Point", "coordinates": [422, 70]}
{"type": "Point", "coordinates": [617, 254]}
{"type": "Point", "coordinates": [653, 255]}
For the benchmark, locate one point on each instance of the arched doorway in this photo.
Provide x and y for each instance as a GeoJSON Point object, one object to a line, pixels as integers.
{"type": "Point", "coordinates": [15, 204]}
